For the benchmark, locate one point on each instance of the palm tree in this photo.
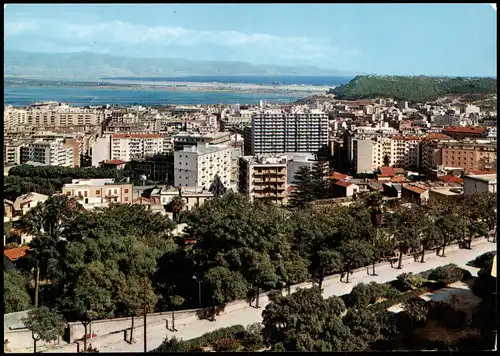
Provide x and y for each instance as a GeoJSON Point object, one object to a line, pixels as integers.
{"type": "Point", "coordinates": [176, 206]}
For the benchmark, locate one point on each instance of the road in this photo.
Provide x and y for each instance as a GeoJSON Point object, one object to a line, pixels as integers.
{"type": "Point", "coordinates": [331, 286]}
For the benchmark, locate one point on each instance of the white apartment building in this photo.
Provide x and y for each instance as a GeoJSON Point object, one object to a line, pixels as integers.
{"type": "Point", "coordinates": [264, 177]}
{"type": "Point", "coordinates": [137, 146]}
{"type": "Point", "coordinates": [12, 151]}
{"type": "Point", "coordinates": [196, 166]}
{"type": "Point", "coordinates": [279, 131]}
{"type": "Point", "coordinates": [49, 153]}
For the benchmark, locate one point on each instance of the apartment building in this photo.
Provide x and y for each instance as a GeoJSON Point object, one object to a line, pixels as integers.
{"type": "Point", "coordinates": [98, 192]}
{"type": "Point", "coordinates": [466, 154]}
{"type": "Point", "coordinates": [362, 156]}
{"type": "Point", "coordinates": [264, 177]}
{"type": "Point", "coordinates": [295, 161]}
{"type": "Point", "coordinates": [12, 151]}
{"type": "Point", "coordinates": [188, 139]}
{"type": "Point", "coordinates": [49, 153]}
{"type": "Point", "coordinates": [459, 132]}
{"type": "Point", "coordinates": [406, 152]}
{"type": "Point", "coordinates": [474, 184]}
{"type": "Point", "coordinates": [137, 146]}
{"type": "Point", "coordinates": [280, 131]}
{"type": "Point", "coordinates": [197, 166]}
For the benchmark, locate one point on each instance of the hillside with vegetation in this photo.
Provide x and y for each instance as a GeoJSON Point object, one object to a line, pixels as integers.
{"type": "Point", "coordinates": [415, 89]}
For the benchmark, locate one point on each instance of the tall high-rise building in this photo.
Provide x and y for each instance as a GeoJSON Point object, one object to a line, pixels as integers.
{"type": "Point", "coordinates": [279, 131]}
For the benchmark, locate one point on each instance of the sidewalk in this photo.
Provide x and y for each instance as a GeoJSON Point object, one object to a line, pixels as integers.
{"type": "Point", "coordinates": [188, 329]}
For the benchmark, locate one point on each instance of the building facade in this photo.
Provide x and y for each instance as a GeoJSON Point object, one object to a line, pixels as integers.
{"type": "Point", "coordinates": [49, 153]}
{"type": "Point", "coordinates": [138, 146]}
{"type": "Point", "coordinates": [474, 184]}
{"type": "Point", "coordinates": [197, 166]}
{"type": "Point", "coordinates": [264, 177]}
{"type": "Point", "coordinates": [98, 192]}
{"type": "Point", "coordinates": [279, 131]}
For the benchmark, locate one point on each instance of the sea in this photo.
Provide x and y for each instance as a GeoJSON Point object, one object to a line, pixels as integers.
{"type": "Point", "coordinates": [21, 95]}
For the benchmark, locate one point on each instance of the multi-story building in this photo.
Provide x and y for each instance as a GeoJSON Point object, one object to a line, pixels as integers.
{"type": "Point", "coordinates": [191, 195]}
{"type": "Point", "coordinates": [459, 132]}
{"type": "Point", "coordinates": [474, 184]}
{"type": "Point", "coordinates": [280, 131]}
{"type": "Point", "coordinates": [197, 166]}
{"type": "Point", "coordinates": [187, 139]}
{"type": "Point", "coordinates": [50, 153]}
{"type": "Point", "coordinates": [362, 156]}
{"type": "Point", "coordinates": [264, 177]}
{"type": "Point", "coordinates": [12, 151]}
{"type": "Point", "coordinates": [295, 161]}
{"type": "Point", "coordinates": [406, 152]}
{"type": "Point", "coordinates": [127, 147]}
{"type": "Point", "coordinates": [467, 154]}
{"type": "Point", "coordinates": [98, 192]}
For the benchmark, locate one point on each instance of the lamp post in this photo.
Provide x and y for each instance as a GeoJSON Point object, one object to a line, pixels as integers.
{"type": "Point", "coordinates": [199, 289]}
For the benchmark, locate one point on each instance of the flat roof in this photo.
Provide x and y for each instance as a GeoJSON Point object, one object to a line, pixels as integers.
{"type": "Point", "coordinates": [490, 178]}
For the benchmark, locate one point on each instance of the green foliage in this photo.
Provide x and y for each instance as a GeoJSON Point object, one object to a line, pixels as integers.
{"type": "Point", "coordinates": [304, 192]}
{"type": "Point", "coordinates": [364, 326]}
{"type": "Point", "coordinates": [226, 285]}
{"type": "Point", "coordinates": [304, 321]}
{"type": "Point", "coordinates": [253, 341]}
{"type": "Point", "coordinates": [15, 293]}
{"type": "Point", "coordinates": [359, 297]}
{"type": "Point", "coordinates": [45, 324]}
{"type": "Point", "coordinates": [450, 273]}
{"type": "Point", "coordinates": [388, 323]}
{"type": "Point", "coordinates": [208, 339]}
{"type": "Point", "coordinates": [227, 345]}
{"type": "Point", "coordinates": [416, 89]}
{"type": "Point", "coordinates": [409, 281]}
{"type": "Point", "coordinates": [11, 245]}
{"type": "Point", "coordinates": [416, 309]}
{"type": "Point", "coordinates": [485, 260]}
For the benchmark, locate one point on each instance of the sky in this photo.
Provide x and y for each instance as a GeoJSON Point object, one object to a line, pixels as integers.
{"type": "Point", "coordinates": [392, 39]}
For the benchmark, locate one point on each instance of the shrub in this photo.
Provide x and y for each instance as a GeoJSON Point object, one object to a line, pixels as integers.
{"type": "Point", "coordinates": [388, 323]}
{"type": "Point", "coordinates": [227, 345]}
{"type": "Point", "coordinates": [409, 281]}
{"type": "Point", "coordinates": [485, 260]}
{"type": "Point", "coordinates": [11, 245]}
{"type": "Point", "coordinates": [253, 341]}
{"type": "Point", "coordinates": [450, 273]}
{"type": "Point", "coordinates": [377, 291]}
{"type": "Point", "coordinates": [359, 297]}
{"type": "Point", "coordinates": [416, 309]}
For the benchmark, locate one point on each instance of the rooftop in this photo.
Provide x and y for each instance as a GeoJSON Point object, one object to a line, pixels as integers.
{"type": "Point", "coordinates": [16, 253]}
{"type": "Point", "coordinates": [464, 129]}
{"type": "Point", "coordinates": [266, 159]}
{"type": "Point", "coordinates": [490, 178]}
{"type": "Point", "coordinates": [415, 189]}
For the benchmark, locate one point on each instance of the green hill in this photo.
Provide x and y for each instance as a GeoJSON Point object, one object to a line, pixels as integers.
{"type": "Point", "coordinates": [415, 89]}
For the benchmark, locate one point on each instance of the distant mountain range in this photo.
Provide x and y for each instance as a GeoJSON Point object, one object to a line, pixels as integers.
{"type": "Point", "coordinates": [85, 65]}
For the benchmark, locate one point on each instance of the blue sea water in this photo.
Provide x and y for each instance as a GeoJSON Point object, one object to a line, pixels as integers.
{"type": "Point", "coordinates": [24, 95]}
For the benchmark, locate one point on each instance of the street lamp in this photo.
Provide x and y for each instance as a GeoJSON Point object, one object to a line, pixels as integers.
{"type": "Point", "coordinates": [199, 289]}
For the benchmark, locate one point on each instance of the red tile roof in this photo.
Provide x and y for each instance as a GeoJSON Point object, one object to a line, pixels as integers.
{"type": "Point", "coordinates": [116, 162]}
{"type": "Point", "coordinates": [407, 138]}
{"type": "Point", "coordinates": [398, 179]}
{"type": "Point", "coordinates": [338, 176]}
{"type": "Point", "coordinates": [477, 172]}
{"type": "Point", "coordinates": [387, 171]}
{"type": "Point", "coordinates": [290, 189]}
{"type": "Point", "coordinates": [415, 189]}
{"type": "Point", "coordinates": [16, 253]}
{"type": "Point", "coordinates": [451, 179]}
{"type": "Point", "coordinates": [343, 184]}
{"type": "Point", "coordinates": [464, 129]}
{"type": "Point", "coordinates": [437, 136]}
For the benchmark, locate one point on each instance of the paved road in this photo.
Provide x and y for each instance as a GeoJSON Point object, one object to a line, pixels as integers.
{"type": "Point", "coordinates": [332, 286]}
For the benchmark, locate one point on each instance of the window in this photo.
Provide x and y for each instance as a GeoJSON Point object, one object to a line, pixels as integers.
{"type": "Point", "coordinates": [115, 191]}
{"type": "Point", "coordinates": [98, 192]}
{"type": "Point", "coordinates": [126, 190]}
{"type": "Point", "coordinates": [125, 199]}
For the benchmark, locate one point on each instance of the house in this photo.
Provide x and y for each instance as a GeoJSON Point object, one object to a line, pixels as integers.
{"type": "Point", "coordinates": [451, 179]}
{"type": "Point", "coordinates": [336, 176]}
{"type": "Point", "coordinates": [415, 193]}
{"type": "Point", "coordinates": [113, 163]}
{"type": "Point", "coordinates": [345, 189]}
{"type": "Point", "coordinates": [436, 193]}
{"type": "Point", "coordinates": [24, 203]}
{"type": "Point", "coordinates": [8, 209]}
{"type": "Point", "coordinates": [15, 254]}
{"type": "Point", "coordinates": [386, 174]}
{"type": "Point", "coordinates": [153, 204]}
{"type": "Point", "coordinates": [392, 190]}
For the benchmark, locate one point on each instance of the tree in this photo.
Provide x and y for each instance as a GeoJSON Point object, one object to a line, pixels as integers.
{"type": "Point", "coordinates": [45, 324]}
{"type": "Point", "coordinates": [375, 204]}
{"type": "Point", "coordinates": [319, 183]}
{"type": "Point", "coordinates": [363, 325]}
{"type": "Point", "coordinates": [15, 293]}
{"type": "Point", "coordinates": [450, 226]}
{"type": "Point", "coordinates": [304, 321]}
{"type": "Point", "coordinates": [360, 296]}
{"type": "Point", "coordinates": [261, 273]}
{"type": "Point", "coordinates": [292, 269]}
{"type": "Point", "coordinates": [303, 192]}
{"type": "Point", "coordinates": [476, 229]}
{"type": "Point", "coordinates": [91, 295]}
{"type": "Point", "coordinates": [430, 234]}
{"type": "Point", "coordinates": [387, 161]}
{"type": "Point", "coordinates": [225, 285]}
{"type": "Point", "coordinates": [176, 205]}
{"type": "Point", "coordinates": [355, 253]}
{"type": "Point", "coordinates": [404, 226]}
{"type": "Point", "coordinates": [416, 309]}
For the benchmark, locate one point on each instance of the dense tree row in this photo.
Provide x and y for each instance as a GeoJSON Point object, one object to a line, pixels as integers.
{"type": "Point", "coordinates": [123, 259]}
{"type": "Point", "coordinates": [415, 89]}
{"type": "Point", "coordinates": [49, 180]}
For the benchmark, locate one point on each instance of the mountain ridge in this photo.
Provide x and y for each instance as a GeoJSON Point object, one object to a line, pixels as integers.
{"type": "Point", "coordinates": [94, 66]}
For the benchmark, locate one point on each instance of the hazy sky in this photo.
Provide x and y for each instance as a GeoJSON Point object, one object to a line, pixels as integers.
{"type": "Point", "coordinates": [432, 39]}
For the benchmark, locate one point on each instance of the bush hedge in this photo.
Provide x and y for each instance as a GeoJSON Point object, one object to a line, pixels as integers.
{"type": "Point", "coordinates": [208, 339]}
{"type": "Point", "coordinates": [485, 260]}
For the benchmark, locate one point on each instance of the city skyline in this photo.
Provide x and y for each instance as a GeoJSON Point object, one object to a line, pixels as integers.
{"type": "Point", "coordinates": [388, 39]}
